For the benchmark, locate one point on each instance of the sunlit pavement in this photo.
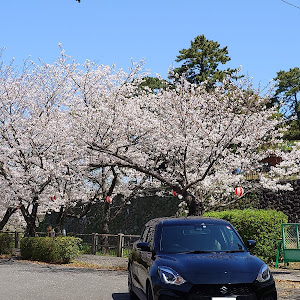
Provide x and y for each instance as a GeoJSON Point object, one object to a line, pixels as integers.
{"type": "Point", "coordinates": [28, 281]}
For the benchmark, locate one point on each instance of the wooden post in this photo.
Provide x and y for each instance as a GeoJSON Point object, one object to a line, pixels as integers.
{"type": "Point", "coordinates": [120, 245]}
{"type": "Point", "coordinates": [94, 243]}
{"type": "Point", "coordinates": [16, 239]}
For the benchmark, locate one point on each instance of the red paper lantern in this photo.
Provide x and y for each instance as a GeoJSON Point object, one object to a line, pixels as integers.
{"type": "Point", "coordinates": [239, 191]}
{"type": "Point", "coordinates": [52, 198]}
{"type": "Point", "coordinates": [174, 193]}
{"type": "Point", "coordinates": [108, 199]}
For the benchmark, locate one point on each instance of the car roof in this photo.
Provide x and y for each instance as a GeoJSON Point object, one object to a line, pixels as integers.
{"type": "Point", "coordinates": [185, 221]}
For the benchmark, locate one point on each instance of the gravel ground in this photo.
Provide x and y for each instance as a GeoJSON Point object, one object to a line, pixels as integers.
{"type": "Point", "coordinates": [288, 282]}
{"type": "Point", "coordinates": [288, 290]}
{"type": "Point", "coordinates": [104, 262]}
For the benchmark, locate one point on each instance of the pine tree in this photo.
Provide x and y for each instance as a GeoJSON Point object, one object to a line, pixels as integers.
{"type": "Point", "coordinates": [201, 62]}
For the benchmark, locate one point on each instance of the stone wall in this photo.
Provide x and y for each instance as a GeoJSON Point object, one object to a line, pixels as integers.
{"type": "Point", "coordinates": [286, 201]}
{"type": "Point", "coordinates": [134, 216]}
{"type": "Point", "coordinates": [129, 221]}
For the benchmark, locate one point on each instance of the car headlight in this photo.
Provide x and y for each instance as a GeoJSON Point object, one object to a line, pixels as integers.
{"type": "Point", "coordinates": [169, 276]}
{"type": "Point", "coordinates": [263, 274]}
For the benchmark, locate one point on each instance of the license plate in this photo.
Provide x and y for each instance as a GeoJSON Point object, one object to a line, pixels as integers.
{"type": "Point", "coordinates": [223, 298]}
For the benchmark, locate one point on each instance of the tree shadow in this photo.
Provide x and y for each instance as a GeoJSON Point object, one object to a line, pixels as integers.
{"type": "Point", "coordinates": [121, 296]}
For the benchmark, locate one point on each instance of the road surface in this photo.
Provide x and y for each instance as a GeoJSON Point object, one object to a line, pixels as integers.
{"type": "Point", "coordinates": [27, 281]}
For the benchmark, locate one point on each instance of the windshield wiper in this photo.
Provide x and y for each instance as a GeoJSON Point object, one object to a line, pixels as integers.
{"type": "Point", "coordinates": [197, 252]}
{"type": "Point", "coordinates": [233, 251]}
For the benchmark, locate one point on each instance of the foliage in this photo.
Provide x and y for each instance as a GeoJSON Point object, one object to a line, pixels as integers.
{"type": "Point", "coordinates": [263, 226]}
{"type": "Point", "coordinates": [288, 91]}
{"type": "Point", "coordinates": [85, 248]}
{"type": "Point", "coordinates": [153, 84]}
{"type": "Point", "coordinates": [55, 250]}
{"type": "Point", "coordinates": [6, 243]}
{"type": "Point", "coordinates": [293, 131]}
{"type": "Point", "coordinates": [200, 62]}
{"type": "Point", "coordinates": [26, 247]}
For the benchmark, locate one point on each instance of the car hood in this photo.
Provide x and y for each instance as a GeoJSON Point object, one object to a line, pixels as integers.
{"type": "Point", "coordinates": [217, 268]}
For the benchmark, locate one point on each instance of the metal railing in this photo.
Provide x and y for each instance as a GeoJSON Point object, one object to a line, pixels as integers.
{"type": "Point", "coordinates": [289, 245]}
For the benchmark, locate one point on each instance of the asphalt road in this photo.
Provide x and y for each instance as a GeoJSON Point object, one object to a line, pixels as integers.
{"type": "Point", "coordinates": [31, 281]}
{"type": "Point", "coordinates": [26, 281]}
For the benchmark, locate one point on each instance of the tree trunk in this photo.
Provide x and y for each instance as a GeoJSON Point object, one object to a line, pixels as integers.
{"type": "Point", "coordinates": [195, 206]}
{"type": "Point", "coordinates": [8, 213]}
{"type": "Point", "coordinates": [30, 228]}
{"type": "Point", "coordinates": [298, 115]}
{"type": "Point", "coordinates": [105, 228]}
{"type": "Point", "coordinates": [61, 218]}
{"type": "Point", "coordinates": [30, 219]}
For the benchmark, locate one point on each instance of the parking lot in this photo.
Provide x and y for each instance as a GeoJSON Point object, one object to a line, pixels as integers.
{"type": "Point", "coordinates": [32, 281]}
{"type": "Point", "coordinates": [27, 281]}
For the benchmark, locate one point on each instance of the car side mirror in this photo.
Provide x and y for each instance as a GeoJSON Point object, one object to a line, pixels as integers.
{"type": "Point", "coordinates": [143, 246]}
{"type": "Point", "coordinates": [251, 244]}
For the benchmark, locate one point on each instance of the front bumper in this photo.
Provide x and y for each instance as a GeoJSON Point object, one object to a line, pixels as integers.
{"type": "Point", "coordinates": [207, 292]}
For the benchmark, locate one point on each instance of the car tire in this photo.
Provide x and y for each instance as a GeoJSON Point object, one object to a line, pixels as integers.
{"type": "Point", "coordinates": [149, 292]}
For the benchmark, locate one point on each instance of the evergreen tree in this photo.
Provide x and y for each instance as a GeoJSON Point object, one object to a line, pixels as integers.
{"type": "Point", "coordinates": [200, 62]}
{"type": "Point", "coordinates": [288, 91]}
{"type": "Point", "coordinates": [154, 84]}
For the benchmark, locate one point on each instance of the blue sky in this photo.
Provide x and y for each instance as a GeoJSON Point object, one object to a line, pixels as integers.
{"type": "Point", "coordinates": [262, 35]}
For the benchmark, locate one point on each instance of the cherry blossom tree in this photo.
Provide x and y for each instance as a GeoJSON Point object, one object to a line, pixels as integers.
{"type": "Point", "coordinates": [94, 113]}
{"type": "Point", "coordinates": [30, 136]}
{"type": "Point", "coordinates": [78, 133]}
{"type": "Point", "coordinates": [189, 139]}
{"type": "Point", "coordinates": [44, 165]}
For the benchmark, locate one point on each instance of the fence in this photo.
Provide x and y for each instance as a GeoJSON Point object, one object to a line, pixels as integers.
{"type": "Point", "coordinates": [117, 243]}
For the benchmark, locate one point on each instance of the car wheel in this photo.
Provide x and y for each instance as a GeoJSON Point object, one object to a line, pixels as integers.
{"type": "Point", "coordinates": [149, 292]}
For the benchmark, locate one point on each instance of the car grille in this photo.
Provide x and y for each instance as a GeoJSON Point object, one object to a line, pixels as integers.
{"type": "Point", "coordinates": [222, 290]}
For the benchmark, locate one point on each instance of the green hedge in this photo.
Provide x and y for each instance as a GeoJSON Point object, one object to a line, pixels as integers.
{"type": "Point", "coordinates": [47, 249]}
{"type": "Point", "coordinates": [263, 226]}
{"type": "Point", "coordinates": [6, 243]}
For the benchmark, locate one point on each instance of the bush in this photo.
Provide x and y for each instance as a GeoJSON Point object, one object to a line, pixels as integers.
{"type": "Point", "coordinates": [47, 249]}
{"type": "Point", "coordinates": [6, 243]}
{"type": "Point", "coordinates": [85, 248]}
{"type": "Point", "coordinates": [263, 226]}
{"type": "Point", "coordinates": [65, 249]}
{"type": "Point", "coordinates": [26, 247]}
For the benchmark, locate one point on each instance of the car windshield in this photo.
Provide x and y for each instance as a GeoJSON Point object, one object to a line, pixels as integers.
{"type": "Point", "coordinates": [201, 238]}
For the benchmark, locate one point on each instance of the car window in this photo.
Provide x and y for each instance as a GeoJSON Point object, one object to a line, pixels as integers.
{"type": "Point", "coordinates": [144, 234]}
{"type": "Point", "coordinates": [150, 236]}
{"type": "Point", "coordinates": [201, 237]}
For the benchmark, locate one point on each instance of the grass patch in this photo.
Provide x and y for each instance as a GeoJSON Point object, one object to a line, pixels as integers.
{"type": "Point", "coordinates": [5, 256]}
{"type": "Point", "coordinates": [80, 264]}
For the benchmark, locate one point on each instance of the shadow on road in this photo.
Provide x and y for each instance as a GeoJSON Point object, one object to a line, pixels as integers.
{"type": "Point", "coordinates": [121, 296]}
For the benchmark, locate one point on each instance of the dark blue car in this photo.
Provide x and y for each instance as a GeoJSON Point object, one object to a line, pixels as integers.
{"type": "Point", "coordinates": [196, 258]}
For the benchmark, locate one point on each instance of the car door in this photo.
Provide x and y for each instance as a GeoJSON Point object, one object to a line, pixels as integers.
{"type": "Point", "coordinates": [137, 261]}
{"type": "Point", "coordinates": [146, 259]}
